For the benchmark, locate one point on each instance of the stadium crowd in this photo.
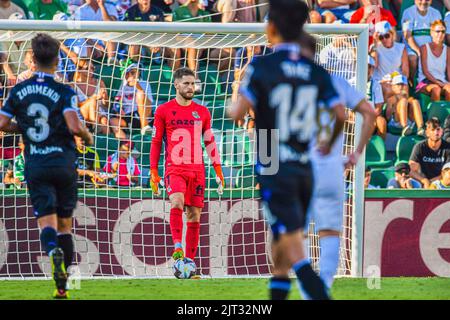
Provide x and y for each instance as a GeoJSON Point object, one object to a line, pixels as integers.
{"type": "Point", "coordinates": [408, 63]}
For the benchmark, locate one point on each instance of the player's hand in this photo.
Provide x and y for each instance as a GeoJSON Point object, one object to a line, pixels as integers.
{"type": "Point", "coordinates": [155, 179]}
{"type": "Point", "coordinates": [324, 148]}
{"type": "Point", "coordinates": [219, 179]}
{"type": "Point", "coordinates": [89, 139]}
{"type": "Point", "coordinates": [352, 159]}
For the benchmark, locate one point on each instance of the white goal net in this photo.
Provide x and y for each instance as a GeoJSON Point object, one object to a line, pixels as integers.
{"type": "Point", "coordinates": [121, 73]}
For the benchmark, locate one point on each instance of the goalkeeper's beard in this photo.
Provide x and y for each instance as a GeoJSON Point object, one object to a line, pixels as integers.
{"type": "Point", "coordinates": [187, 96]}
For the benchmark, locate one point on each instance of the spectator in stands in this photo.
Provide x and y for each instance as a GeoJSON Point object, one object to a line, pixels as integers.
{"type": "Point", "coordinates": [123, 166]}
{"type": "Point", "coordinates": [340, 56]}
{"type": "Point", "coordinates": [132, 106]}
{"type": "Point", "coordinates": [28, 61]}
{"type": "Point", "coordinates": [428, 156]}
{"type": "Point", "coordinates": [330, 11]}
{"type": "Point", "coordinates": [402, 179]}
{"type": "Point", "coordinates": [446, 135]}
{"type": "Point", "coordinates": [444, 182]}
{"type": "Point", "coordinates": [402, 110]}
{"type": "Point", "coordinates": [367, 177]}
{"type": "Point", "coordinates": [416, 24]}
{"type": "Point", "coordinates": [242, 59]}
{"type": "Point", "coordinates": [390, 56]}
{"type": "Point", "coordinates": [237, 10]}
{"type": "Point", "coordinates": [46, 9]}
{"type": "Point", "coordinates": [15, 173]}
{"type": "Point", "coordinates": [164, 5]}
{"type": "Point", "coordinates": [88, 166]}
{"type": "Point", "coordinates": [372, 12]}
{"type": "Point", "coordinates": [12, 54]}
{"type": "Point", "coordinates": [191, 11]}
{"type": "Point", "coordinates": [99, 10]}
{"type": "Point", "coordinates": [145, 10]}
{"type": "Point", "coordinates": [8, 8]}
{"type": "Point", "coordinates": [93, 97]}
{"type": "Point", "coordinates": [434, 69]}
{"type": "Point", "coordinates": [447, 29]}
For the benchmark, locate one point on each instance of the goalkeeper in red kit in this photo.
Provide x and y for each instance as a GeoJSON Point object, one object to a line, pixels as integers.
{"type": "Point", "coordinates": [182, 124]}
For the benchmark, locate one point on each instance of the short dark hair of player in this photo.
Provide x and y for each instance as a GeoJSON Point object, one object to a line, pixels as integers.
{"type": "Point", "coordinates": [45, 50]}
{"type": "Point", "coordinates": [181, 72]}
{"type": "Point", "coordinates": [434, 123]}
{"type": "Point", "coordinates": [288, 16]}
{"type": "Point", "coordinates": [308, 42]}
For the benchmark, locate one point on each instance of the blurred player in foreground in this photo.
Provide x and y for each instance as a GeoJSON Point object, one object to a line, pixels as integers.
{"type": "Point", "coordinates": [182, 124]}
{"type": "Point", "coordinates": [284, 89]}
{"type": "Point", "coordinates": [46, 115]}
{"type": "Point", "coordinates": [327, 205]}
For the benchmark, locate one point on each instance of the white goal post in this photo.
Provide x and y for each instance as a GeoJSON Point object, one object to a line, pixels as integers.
{"type": "Point", "coordinates": [123, 232]}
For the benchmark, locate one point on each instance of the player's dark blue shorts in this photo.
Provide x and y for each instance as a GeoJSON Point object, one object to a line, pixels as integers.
{"type": "Point", "coordinates": [52, 190]}
{"type": "Point", "coordinates": [286, 197]}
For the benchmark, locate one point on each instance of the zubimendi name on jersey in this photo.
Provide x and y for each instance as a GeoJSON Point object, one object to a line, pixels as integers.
{"type": "Point", "coordinates": [38, 89]}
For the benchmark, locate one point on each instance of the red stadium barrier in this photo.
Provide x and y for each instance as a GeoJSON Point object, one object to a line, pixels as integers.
{"type": "Point", "coordinates": [117, 236]}
{"type": "Point", "coordinates": [407, 233]}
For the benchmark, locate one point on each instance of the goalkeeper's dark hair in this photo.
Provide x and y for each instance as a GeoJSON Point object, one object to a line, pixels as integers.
{"type": "Point", "coordinates": [45, 49]}
{"type": "Point", "coordinates": [288, 16]}
{"type": "Point", "coordinates": [181, 72]}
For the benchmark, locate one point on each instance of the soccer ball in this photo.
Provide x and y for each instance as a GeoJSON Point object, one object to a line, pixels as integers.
{"type": "Point", "coordinates": [184, 268]}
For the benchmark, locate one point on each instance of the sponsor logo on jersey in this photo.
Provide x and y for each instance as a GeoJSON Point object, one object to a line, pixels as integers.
{"type": "Point", "coordinates": [182, 122]}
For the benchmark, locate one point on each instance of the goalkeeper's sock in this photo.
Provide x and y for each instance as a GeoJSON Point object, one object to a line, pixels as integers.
{"type": "Point", "coordinates": [310, 281]}
{"type": "Point", "coordinates": [279, 288]}
{"type": "Point", "coordinates": [49, 239]}
{"type": "Point", "coordinates": [176, 224]}
{"type": "Point", "coordinates": [329, 259]}
{"type": "Point", "coordinates": [192, 238]}
{"type": "Point", "coordinates": [66, 244]}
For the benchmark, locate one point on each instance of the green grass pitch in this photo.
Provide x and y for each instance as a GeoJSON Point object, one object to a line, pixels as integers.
{"type": "Point", "coordinates": [225, 289]}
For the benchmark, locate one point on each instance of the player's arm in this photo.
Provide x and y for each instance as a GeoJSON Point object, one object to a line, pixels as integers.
{"type": "Point", "coordinates": [7, 113]}
{"type": "Point", "coordinates": [155, 148]}
{"type": "Point", "coordinates": [212, 150]}
{"type": "Point", "coordinates": [368, 113]}
{"type": "Point", "coordinates": [329, 96]}
{"type": "Point", "coordinates": [7, 125]}
{"type": "Point", "coordinates": [247, 98]}
{"type": "Point", "coordinates": [73, 122]}
{"type": "Point", "coordinates": [356, 101]}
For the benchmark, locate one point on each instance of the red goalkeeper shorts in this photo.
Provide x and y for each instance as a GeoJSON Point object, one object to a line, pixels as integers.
{"type": "Point", "coordinates": [190, 183]}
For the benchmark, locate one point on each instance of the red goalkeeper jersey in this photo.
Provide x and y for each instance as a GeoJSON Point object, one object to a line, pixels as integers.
{"type": "Point", "coordinates": [182, 129]}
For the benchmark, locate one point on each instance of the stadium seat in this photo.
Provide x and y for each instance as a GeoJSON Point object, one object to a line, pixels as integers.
{"type": "Point", "coordinates": [376, 153]}
{"type": "Point", "coordinates": [245, 178]}
{"type": "Point", "coordinates": [105, 146]}
{"type": "Point", "coordinates": [380, 177]}
{"type": "Point", "coordinates": [236, 149]}
{"type": "Point", "coordinates": [209, 77]}
{"type": "Point", "coordinates": [424, 101]}
{"type": "Point", "coordinates": [440, 109]}
{"type": "Point", "coordinates": [161, 82]}
{"type": "Point", "coordinates": [219, 118]}
{"type": "Point", "coordinates": [142, 145]}
{"type": "Point", "coordinates": [111, 76]}
{"type": "Point", "coordinates": [404, 147]}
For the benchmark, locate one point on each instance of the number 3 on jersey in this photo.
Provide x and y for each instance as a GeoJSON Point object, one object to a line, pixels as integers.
{"type": "Point", "coordinates": [41, 129]}
{"type": "Point", "coordinates": [296, 115]}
